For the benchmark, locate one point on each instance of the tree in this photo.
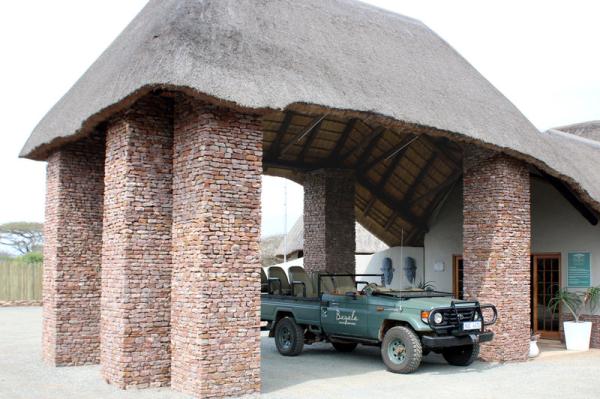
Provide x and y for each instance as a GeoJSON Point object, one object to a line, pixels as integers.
{"type": "Point", "coordinates": [24, 237]}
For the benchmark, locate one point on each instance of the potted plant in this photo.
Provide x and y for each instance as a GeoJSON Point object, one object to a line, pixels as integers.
{"type": "Point", "coordinates": [577, 332]}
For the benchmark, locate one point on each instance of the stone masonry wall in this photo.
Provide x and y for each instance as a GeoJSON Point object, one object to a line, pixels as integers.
{"type": "Point", "coordinates": [329, 221]}
{"type": "Point", "coordinates": [136, 255]}
{"type": "Point", "coordinates": [72, 252]}
{"type": "Point", "coordinates": [497, 240]}
{"type": "Point", "coordinates": [216, 230]}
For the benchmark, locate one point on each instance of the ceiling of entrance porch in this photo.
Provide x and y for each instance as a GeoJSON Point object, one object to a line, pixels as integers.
{"type": "Point", "coordinates": [402, 173]}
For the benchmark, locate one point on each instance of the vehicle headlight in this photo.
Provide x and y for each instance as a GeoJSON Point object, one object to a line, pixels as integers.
{"type": "Point", "coordinates": [438, 318]}
{"type": "Point", "coordinates": [476, 317]}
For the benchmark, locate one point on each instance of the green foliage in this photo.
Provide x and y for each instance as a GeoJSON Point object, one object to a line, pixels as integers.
{"type": "Point", "coordinates": [31, 257]}
{"type": "Point", "coordinates": [576, 302]}
{"type": "Point", "coordinates": [426, 285]}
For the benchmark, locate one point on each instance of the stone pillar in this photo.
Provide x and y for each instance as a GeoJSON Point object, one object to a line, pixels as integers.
{"type": "Point", "coordinates": [136, 254]}
{"type": "Point", "coordinates": [497, 240]}
{"type": "Point", "coordinates": [72, 248]}
{"type": "Point", "coordinates": [216, 231]}
{"type": "Point", "coordinates": [329, 221]}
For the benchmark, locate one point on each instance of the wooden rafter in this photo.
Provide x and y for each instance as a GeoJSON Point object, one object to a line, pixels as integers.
{"type": "Point", "coordinates": [362, 144]}
{"type": "Point", "coordinates": [303, 133]}
{"type": "Point", "coordinates": [382, 182]}
{"type": "Point", "coordinates": [390, 221]}
{"type": "Point", "coordinates": [447, 184]}
{"type": "Point", "coordinates": [283, 128]}
{"type": "Point", "coordinates": [309, 140]}
{"type": "Point", "coordinates": [386, 199]}
{"type": "Point", "coordinates": [376, 136]}
{"type": "Point", "coordinates": [410, 193]}
{"type": "Point", "coordinates": [397, 151]}
{"type": "Point", "coordinates": [343, 139]}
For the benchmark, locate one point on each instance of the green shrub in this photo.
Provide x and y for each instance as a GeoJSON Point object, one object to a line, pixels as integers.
{"type": "Point", "coordinates": [30, 257]}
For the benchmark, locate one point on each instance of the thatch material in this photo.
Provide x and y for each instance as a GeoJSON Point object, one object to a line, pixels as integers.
{"type": "Point", "coordinates": [366, 243]}
{"type": "Point", "coordinates": [340, 54]}
{"type": "Point", "coordinates": [337, 57]}
{"type": "Point", "coordinates": [589, 130]}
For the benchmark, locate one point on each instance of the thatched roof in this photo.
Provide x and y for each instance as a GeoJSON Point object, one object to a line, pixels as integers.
{"type": "Point", "coordinates": [589, 130]}
{"type": "Point", "coordinates": [339, 54]}
{"type": "Point", "coordinates": [371, 77]}
{"type": "Point", "coordinates": [366, 243]}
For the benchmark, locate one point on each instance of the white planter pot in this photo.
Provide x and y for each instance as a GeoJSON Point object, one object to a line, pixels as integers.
{"type": "Point", "coordinates": [534, 350]}
{"type": "Point", "coordinates": [577, 335]}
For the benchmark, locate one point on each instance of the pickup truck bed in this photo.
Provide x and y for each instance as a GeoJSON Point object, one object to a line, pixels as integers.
{"type": "Point", "coordinates": [306, 311]}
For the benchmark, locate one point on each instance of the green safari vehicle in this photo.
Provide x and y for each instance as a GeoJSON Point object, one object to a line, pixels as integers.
{"type": "Point", "coordinates": [406, 324]}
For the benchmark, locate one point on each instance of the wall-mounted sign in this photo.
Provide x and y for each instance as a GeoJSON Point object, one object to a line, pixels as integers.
{"type": "Point", "coordinates": [579, 270]}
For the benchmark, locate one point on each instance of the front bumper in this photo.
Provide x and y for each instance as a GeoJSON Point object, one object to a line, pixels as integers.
{"type": "Point", "coordinates": [435, 342]}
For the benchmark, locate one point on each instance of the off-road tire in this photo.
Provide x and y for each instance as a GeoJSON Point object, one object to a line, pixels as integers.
{"type": "Point", "coordinates": [344, 346]}
{"type": "Point", "coordinates": [413, 351]}
{"type": "Point", "coordinates": [461, 355]}
{"type": "Point", "coordinates": [289, 337]}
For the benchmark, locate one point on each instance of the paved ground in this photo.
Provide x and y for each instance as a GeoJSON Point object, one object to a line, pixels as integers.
{"type": "Point", "coordinates": [318, 373]}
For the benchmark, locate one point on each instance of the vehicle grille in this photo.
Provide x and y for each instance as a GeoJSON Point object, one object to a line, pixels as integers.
{"type": "Point", "coordinates": [452, 318]}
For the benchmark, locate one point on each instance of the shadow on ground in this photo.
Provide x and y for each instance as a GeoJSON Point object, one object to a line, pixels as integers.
{"type": "Point", "coordinates": [321, 361]}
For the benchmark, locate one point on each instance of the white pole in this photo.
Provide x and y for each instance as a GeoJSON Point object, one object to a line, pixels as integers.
{"type": "Point", "coordinates": [285, 232]}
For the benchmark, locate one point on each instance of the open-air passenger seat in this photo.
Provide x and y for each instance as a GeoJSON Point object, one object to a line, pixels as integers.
{"type": "Point", "coordinates": [264, 281]}
{"type": "Point", "coordinates": [344, 284]}
{"type": "Point", "coordinates": [278, 281]}
{"type": "Point", "coordinates": [298, 274]}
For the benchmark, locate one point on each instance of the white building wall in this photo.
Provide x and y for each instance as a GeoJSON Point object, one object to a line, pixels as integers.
{"type": "Point", "coordinates": [556, 227]}
{"type": "Point", "coordinates": [443, 241]}
{"type": "Point", "coordinates": [371, 264]}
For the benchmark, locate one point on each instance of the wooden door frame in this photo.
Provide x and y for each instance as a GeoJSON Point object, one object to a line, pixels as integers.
{"type": "Point", "coordinates": [455, 259]}
{"type": "Point", "coordinates": [534, 285]}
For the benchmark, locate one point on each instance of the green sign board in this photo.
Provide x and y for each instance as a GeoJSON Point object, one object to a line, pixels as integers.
{"type": "Point", "coordinates": [579, 270]}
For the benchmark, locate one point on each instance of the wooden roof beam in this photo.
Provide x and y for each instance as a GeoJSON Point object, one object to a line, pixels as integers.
{"type": "Point", "coordinates": [300, 135]}
{"type": "Point", "coordinates": [377, 134]}
{"type": "Point", "coordinates": [410, 193]}
{"type": "Point", "coordinates": [362, 144]}
{"type": "Point", "coordinates": [311, 137]}
{"type": "Point", "coordinates": [385, 198]}
{"type": "Point", "coordinates": [381, 184]}
{"type": "Point", "coordinates": [397, 151]}
{"type": "Point", "coordinates": [343, 139]}
{"type": "Point", "coordinates": [453, 178]}
{"type": "Point", "coordinates": [283, 128]}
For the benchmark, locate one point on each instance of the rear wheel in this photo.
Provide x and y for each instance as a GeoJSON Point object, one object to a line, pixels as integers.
{"type": "Point", "coordinates": [289, 337]}
{"type": "Point", "coordinates": [461, 355]}
{"type": "Point", "coordinates": [401, 350]}
{"type": "Point", "coordinates": [344, 346]}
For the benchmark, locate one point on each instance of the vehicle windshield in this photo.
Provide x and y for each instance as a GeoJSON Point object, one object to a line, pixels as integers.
{"type": "Point", "coordinates": [409, 293]}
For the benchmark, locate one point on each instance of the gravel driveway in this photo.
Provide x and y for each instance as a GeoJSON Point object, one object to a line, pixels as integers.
{"type": "Point", "coordinates": [319, 372]}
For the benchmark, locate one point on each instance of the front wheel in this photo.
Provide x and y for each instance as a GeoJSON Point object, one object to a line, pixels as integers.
{"type": "Point", "coordinates": [401, 350]}
{"type": "Point", "coordinates": [461, 355]}
{"type": "Point", "coordinates": [289, 337]}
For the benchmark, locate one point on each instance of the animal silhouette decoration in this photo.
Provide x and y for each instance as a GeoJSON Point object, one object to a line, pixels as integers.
{"type": "Point", "coordinates": [410, 269]}
{"type": "Point", "coordinates": [388, 272]}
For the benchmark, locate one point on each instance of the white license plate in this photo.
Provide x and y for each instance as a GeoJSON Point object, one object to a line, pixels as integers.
{"type": "Point", "coordinates": [471, 325]}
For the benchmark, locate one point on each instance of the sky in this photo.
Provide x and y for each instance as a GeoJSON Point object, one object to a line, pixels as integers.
{"type": "Point", "coordinates": [542, 55]}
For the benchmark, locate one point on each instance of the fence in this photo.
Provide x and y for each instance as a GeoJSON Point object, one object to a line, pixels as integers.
{"type": "Point", "coordinates": [20, 281]}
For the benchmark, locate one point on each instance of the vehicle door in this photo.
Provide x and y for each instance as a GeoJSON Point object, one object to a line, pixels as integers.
{"type": "Point", "coordinates": [344, 315]}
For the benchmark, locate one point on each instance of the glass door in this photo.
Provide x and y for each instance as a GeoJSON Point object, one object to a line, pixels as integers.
{"type": "Point", "coordinates": [545, 275]}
